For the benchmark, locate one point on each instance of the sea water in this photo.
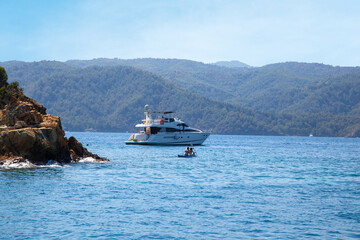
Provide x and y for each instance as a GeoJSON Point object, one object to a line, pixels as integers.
{"type": "Point", "coordinates": [239, 187]}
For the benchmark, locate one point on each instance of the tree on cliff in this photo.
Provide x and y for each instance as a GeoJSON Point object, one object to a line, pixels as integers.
{"type": "Point", "coordinates": [8, 91]}
{"type": "Point", "coordinates": [3, 77]}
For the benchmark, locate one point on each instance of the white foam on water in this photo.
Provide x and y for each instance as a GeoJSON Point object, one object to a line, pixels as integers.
{"type": "Point", "coordinates": [87, 159]}
{"type": "Point", "coordinates": [23, 164]}
{"type": "Point", "coordinates": [53, 163]}
{"type": "Point", "coordinates": [17, 164]}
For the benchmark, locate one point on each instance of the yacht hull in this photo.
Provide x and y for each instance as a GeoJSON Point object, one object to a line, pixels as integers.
{"type": "Point", "coordinates": [164, 144]}
{"type": "Point", "coordinates": [166, 139]}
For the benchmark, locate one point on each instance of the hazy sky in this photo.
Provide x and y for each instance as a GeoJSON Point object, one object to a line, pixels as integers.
{"type": "Point", "coordinates": [256, 32]}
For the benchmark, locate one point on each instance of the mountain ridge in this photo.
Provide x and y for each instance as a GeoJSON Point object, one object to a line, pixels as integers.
{"type": "Point", "coordinates": [232, 64]}
{"type": "Point", "coordinates": [269, 88]}
{"type": "Point", "coordinates": [89, 91]}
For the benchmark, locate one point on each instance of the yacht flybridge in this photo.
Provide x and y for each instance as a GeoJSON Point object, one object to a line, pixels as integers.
{"type": "Point", "coordinates": [165, 130]}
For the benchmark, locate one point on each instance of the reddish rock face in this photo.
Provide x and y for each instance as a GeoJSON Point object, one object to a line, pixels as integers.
{"type": "Point", "coordinates": [27, 132]}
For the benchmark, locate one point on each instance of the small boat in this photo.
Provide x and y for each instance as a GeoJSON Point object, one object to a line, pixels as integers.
{"type": "Point", "coordinates": [187, 156]}
{"type": "Point", "coordinates": [90, 130]}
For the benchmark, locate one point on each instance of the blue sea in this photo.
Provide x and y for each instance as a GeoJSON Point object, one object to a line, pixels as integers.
{"type": "Point", "coordinates": [239, 187]}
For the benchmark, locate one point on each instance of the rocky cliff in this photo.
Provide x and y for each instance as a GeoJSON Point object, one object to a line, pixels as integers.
{"type": "Point", "coordinates": [28, 133]}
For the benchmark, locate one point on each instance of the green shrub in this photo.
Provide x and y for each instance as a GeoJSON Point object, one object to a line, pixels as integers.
{"type": "Point", "coordinates": [14, 85]}
{"type": "Point", "coordinates": [3, 92]}
{"type": "Point", "coordinates": [3, 77]}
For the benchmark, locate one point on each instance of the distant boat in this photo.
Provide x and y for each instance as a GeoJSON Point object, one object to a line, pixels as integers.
{"type": "Point", "coordinates": [90, 130]}
{"type": "Point", "coordinates": [310, 135]}
{"type": "Point", "coordinates": [165, 131]}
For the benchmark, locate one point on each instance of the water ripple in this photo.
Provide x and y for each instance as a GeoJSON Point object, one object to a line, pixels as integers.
{"type": "Point", "coordinates": [239, 187]}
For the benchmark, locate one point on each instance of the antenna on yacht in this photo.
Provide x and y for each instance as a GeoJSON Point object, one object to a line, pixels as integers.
{"type": "Point", "coordinates": [147, 108]}
{"type": "Point", "coordinates": [147, 112]}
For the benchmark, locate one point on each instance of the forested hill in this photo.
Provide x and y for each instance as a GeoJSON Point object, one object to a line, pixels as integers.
{"type": "Point", "coordinates": [112, 99]}
{"type": "Point", "coordinates": [278, 88]}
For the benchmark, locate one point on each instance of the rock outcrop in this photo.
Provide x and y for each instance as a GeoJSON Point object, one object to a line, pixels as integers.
{"type": "Point", "coordinates": [27, 132]}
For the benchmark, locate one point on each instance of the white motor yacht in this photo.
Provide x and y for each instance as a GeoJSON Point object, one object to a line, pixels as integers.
{"type": "Point", "coordinates": [165, 130]}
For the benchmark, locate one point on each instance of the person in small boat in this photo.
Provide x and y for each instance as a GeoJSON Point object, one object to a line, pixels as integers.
{"type": "Point", "coordinates": [191, 152]}
{"type": "Point", "coordinates": [187, 151]}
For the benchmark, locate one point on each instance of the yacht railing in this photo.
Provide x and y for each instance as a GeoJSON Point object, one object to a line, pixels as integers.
{"type": "Point", "coordinates": [156, 121]}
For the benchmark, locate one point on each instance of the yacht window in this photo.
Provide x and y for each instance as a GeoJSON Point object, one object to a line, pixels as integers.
{"type": "Point", "coordinates": [171, 119]}
{"type": "Point", "coordinates": [154, 130]}
{"type": "Point", "coordinates": [191, 130]}
{"type": "Point", "coordinates": [172, 130]}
